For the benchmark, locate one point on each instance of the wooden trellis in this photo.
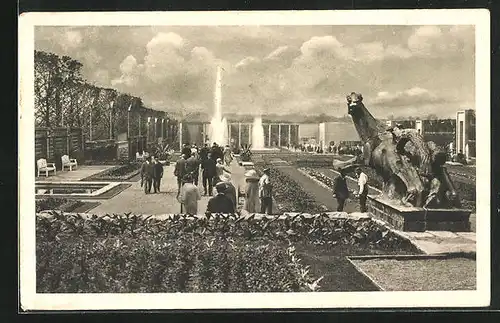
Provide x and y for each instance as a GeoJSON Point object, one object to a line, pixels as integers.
{"type": "Point", "coordinates": [50, 143]}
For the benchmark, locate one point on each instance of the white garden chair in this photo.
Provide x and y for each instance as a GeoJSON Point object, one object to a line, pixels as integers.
{"type": "Point", "coordinates": [139, 157]}
{"type": "Point", "coordinates": [43, 166]}
{"type": "Point", "coordinates": [68, 162]}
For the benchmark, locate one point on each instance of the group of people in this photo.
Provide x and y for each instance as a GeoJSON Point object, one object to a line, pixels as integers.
{"type": "Point", "coordinates": [151, 174]}
{"type": "Point", "coordinates": [341, 191]}
{"type": "Point", "coordinates": [216, 175]}
{"type": "Point", "coordinates": [214, 164]}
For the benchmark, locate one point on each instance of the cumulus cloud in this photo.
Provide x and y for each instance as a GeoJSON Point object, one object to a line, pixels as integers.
{"type": "Point", "coordinates": [412, 97]}
{"type": "Point", "coordinates": [440, 41]}
{"type": "Point", "coordinates": [268, 70]}
{"type": "Point", "coordinates": [71, 39]}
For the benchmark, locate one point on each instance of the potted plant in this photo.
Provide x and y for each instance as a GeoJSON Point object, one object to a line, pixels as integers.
{"type": "Point", "coordinates": [163, 151]}
{"type": "Point", "coordinates": [246, 153]}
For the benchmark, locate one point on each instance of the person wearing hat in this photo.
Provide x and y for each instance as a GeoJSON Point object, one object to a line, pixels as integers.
{"type": "Point", "coordinates": [220, 169]}
{"type": "Point", "coordinates": [157, 174]}
{"type": "Point", "coordinates": [193, 168]}
{"type": "Point", "coordinates": [186, 150]}
{"type": "Point", "coordinates": [251, 191]}
{"type": "Point", "coordinates": [189, 195]}
{"type": "Point", "coordinates": [363, 189]}
{"type": "Point", "coordinates": [209, 169]}
{"type": "Point", "coordinates": [147, 175]}
{"type": "Point", "coordinates": [228, 155]}
{"type": "Point", "coordinates": [204, 152]}
{"type": "Point", "coordinates": [180, 171]}
{"type": "Point", "coordinates": [265, 192]}
{"type": "Point", "coordinates": [220, 203]}
{"type": "Point", "coordinates": [216, 151]}
{"type": "Point", "coordinates": [230, 189]}
{"type": "Point", "coordinates": [340, 190]}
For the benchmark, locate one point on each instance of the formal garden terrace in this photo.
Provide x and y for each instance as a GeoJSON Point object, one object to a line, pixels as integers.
{"type": "Point", "coordinates": [138, 243]}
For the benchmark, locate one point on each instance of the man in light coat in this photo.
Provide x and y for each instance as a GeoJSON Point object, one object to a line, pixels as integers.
{"type": "Point", "coordinates": [363, 189]}
{"type": "Point", "coordinates": [189, 196]}
{"type": "Point", "coordinates": [265, 192]}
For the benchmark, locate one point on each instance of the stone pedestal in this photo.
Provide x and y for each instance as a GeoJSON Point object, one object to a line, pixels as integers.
{"type": "Point", "coordinates": [418, 219]}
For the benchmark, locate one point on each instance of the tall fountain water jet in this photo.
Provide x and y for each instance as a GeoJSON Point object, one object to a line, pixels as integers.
{"type": "Point", "coordinates": [257, 133]}
{"type": "Point", "coordinates": [218, 125]}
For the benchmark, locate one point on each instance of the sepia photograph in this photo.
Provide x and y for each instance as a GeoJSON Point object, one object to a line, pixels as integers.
{"type": "Point", "coordinates": [315, 159]}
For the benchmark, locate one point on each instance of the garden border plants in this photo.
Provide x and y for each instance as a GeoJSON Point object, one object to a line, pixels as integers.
{"type": "Point", "coordinates": [216, 253]}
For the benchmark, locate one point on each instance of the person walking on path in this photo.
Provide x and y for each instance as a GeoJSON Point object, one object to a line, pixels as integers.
{"type": "Point", "coordinates": [157, 174]}
{"type": "Point", "coordinates": [186, 150]}
{"type": "Point", "coordinates": [180, 171]}
{"type": "Point", "coordinates": [363, 189]}
{"type": "Point", "coordinates": [193, 168]}
{"type": "Point", "coordinates": [204, 152]}
{"type": "Point", "coordinates": [265, 193]}
{"type": "Point", "coordinates": [251, 191]}
{"type": "Point", "coordinates": [208, 173]}
{"type": "Point", "coordinates": [216, 151]}
{"type": "Point", "coordinates": [189, 196]}
{"type": "Point", "coordinates": [194, 150]}
{"type": "Point", "coordinates": [220, 169]}
{"type": "Point", "coordinates": [220, 203]}
{"type": "Point", "coordinates": [228, 155]}
{"type": "Point", "coordinates": [230, 189]}
{"type": "Point", "coordinates": [340, 190]}
{"type": "Point", "coordinates": [147, 175]}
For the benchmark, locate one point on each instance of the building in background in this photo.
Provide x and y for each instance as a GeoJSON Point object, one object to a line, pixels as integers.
{"type": "Point", "coordinates": [466, 133]}
{"type": "Point", "coordinates": [459, 134]}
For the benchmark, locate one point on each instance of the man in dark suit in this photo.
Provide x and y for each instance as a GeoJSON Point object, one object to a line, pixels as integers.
{"type": "Point", "coordinates": [340, 190]}
{"type": "Point", "coordinates": [147, 175]}
{"type": "Point", "coordinates": [208, 172]}
{"type": "Point", "coordinates": [193, 168]}
{"type": "Point", "coordinates": [186, 150]}
{"type": "Point", "coordinates": [216, 151]}
{"type": "Point", "coordinates": [180, 171]}
{"type": "Point", "coordinates": [157, 174]}
{"type": "Point", "coordinates": [204, 152]}
{"type": "Point", "coordinates": [220, 203]}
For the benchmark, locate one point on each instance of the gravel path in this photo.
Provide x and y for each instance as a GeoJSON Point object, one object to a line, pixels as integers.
{"type": "Point", "coordinates": [135, 201]}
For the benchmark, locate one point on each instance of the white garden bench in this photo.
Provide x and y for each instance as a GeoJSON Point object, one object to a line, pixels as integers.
{"type": "Point", "coordinates": [68, 162]}
{"type": "Point", "coordinates": [43, 166]}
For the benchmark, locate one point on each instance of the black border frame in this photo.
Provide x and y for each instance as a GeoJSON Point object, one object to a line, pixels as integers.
{"type": "Point", "coordinates": [302, 314]}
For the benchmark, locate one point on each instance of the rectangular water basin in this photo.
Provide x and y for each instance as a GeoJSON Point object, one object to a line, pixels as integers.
{"type": "Point", "coordinates": [81, 190]}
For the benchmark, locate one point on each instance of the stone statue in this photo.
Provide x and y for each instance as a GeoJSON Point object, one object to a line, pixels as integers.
{"type": "Point", "coordinates": [412, 170]}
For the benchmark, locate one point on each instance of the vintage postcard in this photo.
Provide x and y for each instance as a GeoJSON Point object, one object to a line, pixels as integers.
{"type": "Point", "coordinates": [246, 160]}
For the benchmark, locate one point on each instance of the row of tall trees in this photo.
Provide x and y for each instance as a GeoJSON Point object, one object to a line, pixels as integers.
{"type": "Point", "coordinates": [63, 98]}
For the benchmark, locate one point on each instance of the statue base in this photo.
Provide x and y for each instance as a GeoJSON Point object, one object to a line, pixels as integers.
{"type": "Point", "coordinates": [417, 219]}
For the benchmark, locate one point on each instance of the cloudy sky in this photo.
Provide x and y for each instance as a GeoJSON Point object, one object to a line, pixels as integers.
{"type": "Point", "coordinates": [400, 70]}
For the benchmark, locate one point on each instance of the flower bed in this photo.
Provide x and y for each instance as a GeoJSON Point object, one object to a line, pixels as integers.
{"type": "Point", "coordinates": [128, 253]}
{"type": "Point", "coordinates": [119, 173]}
{"type": "Point", "coordinates": [61, 204]}
{"type": "Point", "coordinates": [290, 196]}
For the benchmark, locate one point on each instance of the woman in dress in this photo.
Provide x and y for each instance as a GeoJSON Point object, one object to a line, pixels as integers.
{"type": "Point", "coordinates": [228, 155]}
{"type": "Point", "coordinates": [252, 192]}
